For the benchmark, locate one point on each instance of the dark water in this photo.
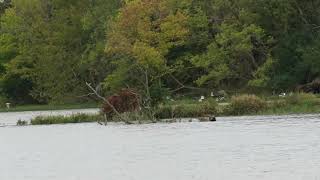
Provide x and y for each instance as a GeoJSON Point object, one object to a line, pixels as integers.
{"type": "Point", "coordinates": [239, 148]}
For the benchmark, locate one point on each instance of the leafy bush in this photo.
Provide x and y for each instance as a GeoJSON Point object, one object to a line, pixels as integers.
{"type": "Point", "coordinates": [246, 104]}
{"type": "Point", "coordinates": [77, 118]}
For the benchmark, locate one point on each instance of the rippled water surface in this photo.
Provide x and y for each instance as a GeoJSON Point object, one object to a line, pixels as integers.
{"type": "Point", "coordinates": [239, 148]}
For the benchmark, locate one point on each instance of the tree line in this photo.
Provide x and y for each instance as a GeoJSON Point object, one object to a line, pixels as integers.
{"type": "Point", "coordinates": [49, 49]}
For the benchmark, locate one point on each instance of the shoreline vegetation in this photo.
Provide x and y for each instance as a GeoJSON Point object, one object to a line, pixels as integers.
{"type": "Point", "coordinates": [157, 48]}
{"type": "Point", "coordinates": [174, 111]}
{"type": "Point", "coordinates": [135, 55]}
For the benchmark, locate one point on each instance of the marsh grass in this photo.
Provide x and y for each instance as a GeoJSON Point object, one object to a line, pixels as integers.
{"type": "Point", "coordinates": [300, 103]}
{"type": "Point", "coordinates": [245, 105]}
{"type": "Point", "coordinates": [302, 98]}
{"type": "Point", "coordinates": [76, 118]}
{"type": "Point", "coordinates": [291, 109]}
{"type": "Point", "coordinates": [239, 105]}
{"type": "Point", "coordinates": [181, 109]}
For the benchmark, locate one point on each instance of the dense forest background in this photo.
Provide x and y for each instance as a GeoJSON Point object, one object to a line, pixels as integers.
{"type": "Point", "coordinates": [49, 49]}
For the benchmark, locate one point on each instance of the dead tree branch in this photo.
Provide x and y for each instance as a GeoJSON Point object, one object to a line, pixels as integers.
{"type": "Point", "coordinates": [182, 86]}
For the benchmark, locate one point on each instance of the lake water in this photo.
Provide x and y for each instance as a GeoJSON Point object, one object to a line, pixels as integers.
{"type": "Point", "coordinates": [234, 148]}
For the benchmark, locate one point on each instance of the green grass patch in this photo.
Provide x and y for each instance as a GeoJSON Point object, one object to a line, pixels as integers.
{"type": "Point", "coordinates": [245, 105]}
{"type": "Point", "coordinates": [291, 109]}
{"type": "Point", "coordinates": [76, 118]}
{"type": "Point", "coordinates": [295, 104]}
{"type": "Point", "coordinates": [186, 109]}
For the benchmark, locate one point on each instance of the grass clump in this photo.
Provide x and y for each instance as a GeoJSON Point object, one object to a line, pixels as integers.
{"type": "Point", "coordinates": [302, 98]}
{"type": "Point", "coordinates": [245, 104]}
{"type": "Point", "coordinates": [186, 110]}
{"type": "Point", "coordinates": [295, 103]}
{"type": "Point", "coordinates": [76, 118]}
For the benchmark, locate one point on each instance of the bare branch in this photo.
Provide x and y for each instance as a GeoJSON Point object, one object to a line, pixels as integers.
{"type": "Point", "coordinates": [182, 86]}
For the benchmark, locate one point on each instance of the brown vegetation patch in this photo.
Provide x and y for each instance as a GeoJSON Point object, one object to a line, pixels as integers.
{"type": "Point", "coordinates": [125, 100]}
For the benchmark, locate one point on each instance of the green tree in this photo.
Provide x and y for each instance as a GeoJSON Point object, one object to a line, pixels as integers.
{"type": "Point", "coordinates": [14, 80]}
{"type": "Point", "coordinates": [59, 46]}
{"type": "Point", "coordinates": [142, 35]}
{"type": "Point", "coordinates": [237, 49]}
{"type": "Point", "coordinates": [294, 26]}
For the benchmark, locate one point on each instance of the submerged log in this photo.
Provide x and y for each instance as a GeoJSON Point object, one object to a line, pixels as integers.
{"type": "Point", "coordinates": [212, 118]}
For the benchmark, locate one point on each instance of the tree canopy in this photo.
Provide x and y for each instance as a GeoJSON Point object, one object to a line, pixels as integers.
{"type": "Point", "coordinates": [50, 48]}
